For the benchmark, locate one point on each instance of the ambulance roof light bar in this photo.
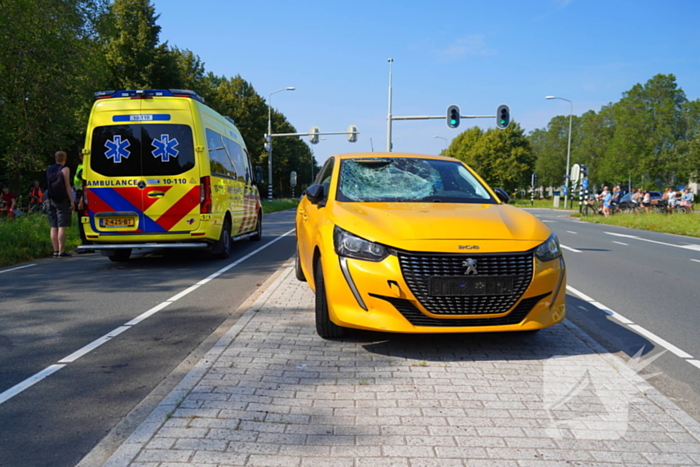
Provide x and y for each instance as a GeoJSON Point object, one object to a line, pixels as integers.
{"type": "Point", "coordinates": [149, 93]}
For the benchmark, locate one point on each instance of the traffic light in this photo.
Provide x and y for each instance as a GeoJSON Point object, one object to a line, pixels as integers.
{"type": "Point", "coordinates": [352, 133]}
{"type": "Point", "coordinates": [534, 179]}
{"type": "Point", "coordinates": [584, 170]}
{"type": "Point", "coordinates": [314, 136]}
{"type": "Point", "coordinates": [502, 116]}
{"type": "Point", "coordinates": [453, 116]}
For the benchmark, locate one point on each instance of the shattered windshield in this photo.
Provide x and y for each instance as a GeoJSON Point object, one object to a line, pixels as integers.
{"type": "Point", "coordinates": [408, 180]}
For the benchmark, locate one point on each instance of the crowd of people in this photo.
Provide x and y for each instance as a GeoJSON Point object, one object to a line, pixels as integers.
{"type": "Point", "coordinates": [639, 200]}
{"type": "Point", "coordinates": [59, 199]}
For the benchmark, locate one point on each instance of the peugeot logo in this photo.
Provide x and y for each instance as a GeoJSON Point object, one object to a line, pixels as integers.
{"type": "Point", "coordinates": [470, 264]}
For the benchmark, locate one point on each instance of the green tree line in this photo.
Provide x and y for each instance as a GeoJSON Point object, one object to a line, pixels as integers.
{"type": "Point", "coordinates": [54, 54]}
{"type": "Point", "coordinates": [651, 136]}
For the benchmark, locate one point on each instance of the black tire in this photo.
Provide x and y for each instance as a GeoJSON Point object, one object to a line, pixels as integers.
{"type": "Point", "coordinates": [222, 248]}
{"type": "Point", "coordinates": [120, 256]}
{"type": "Point", "coordinates": [257, 236]}
{"type": "Point", "coordinates": [324, 326]}
{"type": "Point", "coordinates": [298, 272]}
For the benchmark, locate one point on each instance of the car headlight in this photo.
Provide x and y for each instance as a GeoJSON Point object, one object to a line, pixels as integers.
{"type": "Point", "coordinates": [352, 246]}
{"type": "Point", "coordinates": [549, 250]}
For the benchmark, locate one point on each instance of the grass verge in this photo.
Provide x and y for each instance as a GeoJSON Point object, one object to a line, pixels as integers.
{"type": "Point", "coordinates": [27, 238]}
{"type": "Point", "coordinates": [279, 204]}
{"type": "Point", "coordinates": [680, 224]}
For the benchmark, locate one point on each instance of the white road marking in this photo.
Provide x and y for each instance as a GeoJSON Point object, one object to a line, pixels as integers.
{"type": "Point", "coordinates": [694, 362]}
{"type": "Point", "coordinates": [18, 388]}
{"type": "Point", "coordinates": [696, 260]}
{"type": "Point", "coordinates": [687, 247]}
{"type": "Point", "coordinates": [651, 336]}
{"type": "Point", "coordinates": [572, 232]}
{"type": "Point", "coordinates": [18, 267]}
{"type": "Point", "coordinates": [93, 345]}
{"type": "Point", "coordinates": [648, 334]}
{"type": "Point", "coordinates": [29, 382]}
{"type": "Point", "coordinates": [620, 243]}
{"type": "Point", "coordinates": [570, 249]}
{"type": "Point", "coordinates": [550, 222]}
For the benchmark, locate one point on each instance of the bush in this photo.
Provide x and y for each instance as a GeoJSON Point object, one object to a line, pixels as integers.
{"type": "Point", "coordinates": [27, 238]}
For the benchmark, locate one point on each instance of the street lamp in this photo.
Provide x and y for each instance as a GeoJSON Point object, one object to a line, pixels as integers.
{"type": "Point", "coordinates": [568, 150]}
{"type": "Point", "coordinates": [269, 143]}
{"type": "Point", "coordinates": [445, 139]}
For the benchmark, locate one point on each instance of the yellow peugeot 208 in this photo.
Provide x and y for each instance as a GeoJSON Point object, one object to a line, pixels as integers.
{"type": "Point", "coordinates": [420, 244]}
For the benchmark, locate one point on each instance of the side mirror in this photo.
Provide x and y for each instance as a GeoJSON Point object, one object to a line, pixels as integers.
{"type": "Point", "coordinates": [502, 195]}
{"type": "Point", "coordinates": [316, 194]}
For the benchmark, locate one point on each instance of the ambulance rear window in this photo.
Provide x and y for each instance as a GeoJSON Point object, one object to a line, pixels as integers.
{"type": "Point", "coordinates": [142, 150]}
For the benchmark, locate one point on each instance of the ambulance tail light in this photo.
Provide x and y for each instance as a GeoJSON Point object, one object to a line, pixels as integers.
{"type": "Point", "coordinates": [86, 211]}
{"type": "Point", "coordinates": [205, 195]}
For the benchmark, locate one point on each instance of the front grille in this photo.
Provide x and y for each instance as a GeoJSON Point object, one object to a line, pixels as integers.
{"type": "Point", "coordinates": [418, 268]}
{"type": "Point", "coordinates": [417, 318]}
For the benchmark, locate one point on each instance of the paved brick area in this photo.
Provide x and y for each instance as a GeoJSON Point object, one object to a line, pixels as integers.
{"type": "Point", "coordinates": [272, 393]}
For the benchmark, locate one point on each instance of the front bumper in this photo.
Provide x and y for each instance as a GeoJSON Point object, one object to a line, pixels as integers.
{"type": "Point", "coordinates": [375, 296]}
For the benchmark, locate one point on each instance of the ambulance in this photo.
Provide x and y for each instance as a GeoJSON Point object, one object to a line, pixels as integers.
{"type": "Point", "coordinates": [164, 170]}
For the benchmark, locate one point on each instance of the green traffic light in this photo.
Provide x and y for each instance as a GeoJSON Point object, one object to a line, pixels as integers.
{"type": "Point", "coordinates": [503, 122]}
{"type": "Point", "coordinates": [453, 122]}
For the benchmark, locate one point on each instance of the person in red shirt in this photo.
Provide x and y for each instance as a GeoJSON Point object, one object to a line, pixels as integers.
{"type": "Point", "coordinates": [9, 201]}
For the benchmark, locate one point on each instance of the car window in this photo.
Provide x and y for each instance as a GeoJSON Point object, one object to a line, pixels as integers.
{"type": "Point", "coordinates": [219, 160]}
{"type": "Point", "coordinates": [142, 150]}
{"type": "Point", "coordinates": [324, 176]}
{"type": "Point", "coordinates": [409, 180]}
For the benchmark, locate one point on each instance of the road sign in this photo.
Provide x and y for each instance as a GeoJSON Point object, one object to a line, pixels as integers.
{"type": "Point", "coordinates": [575, 173]}
{"type": "Point", "coordinates": [584, 184]}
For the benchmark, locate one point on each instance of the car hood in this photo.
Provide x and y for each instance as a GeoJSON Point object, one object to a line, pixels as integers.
{"type": "Point", "coordinates": [419, 226]}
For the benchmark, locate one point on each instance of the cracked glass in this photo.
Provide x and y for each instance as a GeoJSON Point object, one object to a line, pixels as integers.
{"type": "Point", "coordinates": [398, 179]}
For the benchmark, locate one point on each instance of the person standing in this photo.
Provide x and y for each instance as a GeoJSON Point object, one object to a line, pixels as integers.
{"type": "Point", "coordinates": [8, 201]}
{"type": "Point", "coordinates": [79, 185]}
{"type": "Point", "coordinates": [60, 203]}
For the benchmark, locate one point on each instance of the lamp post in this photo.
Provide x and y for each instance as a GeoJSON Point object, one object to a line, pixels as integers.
{"type": "Point", "coordinates": [388, 117]}
{"type": "Point", "coordinates": [568, 150]}
{"type": "Point", "coordinates": [444, 139]}
{"type": "Point", "coordinates": [269, 147]}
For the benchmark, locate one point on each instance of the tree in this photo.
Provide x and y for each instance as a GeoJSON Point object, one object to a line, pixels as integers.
{"type": "Point", "coordinates": [45, 66]}
{"type": "Point", "coordinates": [503, 158]}
{"type": "Point", "coordinates": [132, 49]}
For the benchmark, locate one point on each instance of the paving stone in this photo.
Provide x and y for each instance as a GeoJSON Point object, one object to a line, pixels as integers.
{"type": "Point", "coordinates": [272, 393]}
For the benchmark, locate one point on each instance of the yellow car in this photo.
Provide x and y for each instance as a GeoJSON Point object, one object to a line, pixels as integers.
{"type": "Point", "coordinates": [414, 243]}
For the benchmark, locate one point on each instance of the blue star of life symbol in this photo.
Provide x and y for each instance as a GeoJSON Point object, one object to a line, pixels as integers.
{"type": "Point", "coordinates": [117, 149]}
{"type": "Point", "coordinates": [165, 148]}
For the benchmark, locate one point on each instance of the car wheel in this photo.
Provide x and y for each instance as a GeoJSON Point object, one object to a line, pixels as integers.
{"type": "Point", "coordinates": [119, 256]}
{"type": "Point", "coordinates": [298, 272]}
{"type": "Point", "coordinates": [257, 236]}
{"type": "Point", "coordinates": [222, 248]}
{"type": "Point", "coordinates": [324, 326]}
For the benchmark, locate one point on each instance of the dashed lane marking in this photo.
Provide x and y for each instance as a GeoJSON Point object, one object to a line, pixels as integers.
{"type": "Point", "coordinates": [620, 243]}
{"type": "Point", "coordinates": [572, 232]}
{"type": "Point", "coordinates": [27, 383]}
{"type": "Point", "coordinates": [637, 328]}
{"type": "Point", "coordinates": [687, 247]}
{"type": "Point", "coordinates": [570, 249]}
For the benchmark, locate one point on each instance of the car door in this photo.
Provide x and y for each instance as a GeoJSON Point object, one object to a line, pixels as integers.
{"type": "Point", "coordinates": [310, 217]}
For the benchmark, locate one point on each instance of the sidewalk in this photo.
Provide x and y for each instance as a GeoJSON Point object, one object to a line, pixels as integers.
{"type": "Point", "coordinates": [272, 393]}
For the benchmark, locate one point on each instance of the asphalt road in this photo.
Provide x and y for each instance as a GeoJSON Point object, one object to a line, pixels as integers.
{"type": "Point", "coordinates": [649, 283]}
{"type": "Point", "coordinates": [631, 290]}
{"type": "Point", "coordinates": [56, 307]}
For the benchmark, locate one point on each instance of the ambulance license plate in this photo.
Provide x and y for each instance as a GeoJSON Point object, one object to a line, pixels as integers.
{"type": "Point", "coordinates": [117, 222]}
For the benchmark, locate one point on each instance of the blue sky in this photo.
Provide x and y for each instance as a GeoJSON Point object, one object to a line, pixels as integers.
{"type": "Point", "coordinates": [476, 54]}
